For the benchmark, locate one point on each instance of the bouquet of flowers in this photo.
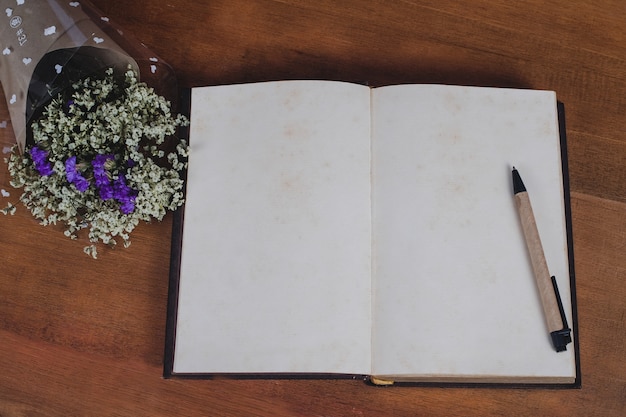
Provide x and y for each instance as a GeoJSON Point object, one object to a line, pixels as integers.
{"type": "Point", "coordinates": [96, 147]}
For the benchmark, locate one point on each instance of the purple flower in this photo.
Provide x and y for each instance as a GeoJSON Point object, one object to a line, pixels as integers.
{"type": "Point", "coordinates": [101, 159]}
{"type": "Point", "coordinates": [106, 192]}
{"type": "Point", "coordinates": [124, 195]}
{"type": "Point", "coordinates": [116, 189]}
{"type": "Point", "coordinates": [99, 170]}
{"type": "Point", "coordinates": [70, 169]}
{"type": "Point", "coordinates": [73, 175]}
{"type": "Point", "coordinates": [42, 165]}
{"type": "Point", "coordinates": [120, 189]}
{"type": "Point", "coordinates": [82, 184]}
{"type": "Point", "coordinates": [127, 207]}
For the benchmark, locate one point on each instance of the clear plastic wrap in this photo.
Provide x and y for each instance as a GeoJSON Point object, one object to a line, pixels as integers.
{"type": "Point", "coordinates": [46, 45]}
{"type": "Point", "coordinates": [91, 108]}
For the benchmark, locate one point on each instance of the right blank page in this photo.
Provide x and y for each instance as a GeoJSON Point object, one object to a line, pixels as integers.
{"type": "Point", "coordinates": [454, 293]}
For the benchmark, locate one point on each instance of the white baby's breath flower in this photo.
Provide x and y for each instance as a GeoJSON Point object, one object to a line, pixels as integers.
{"type": "Point", "coordinates": [89, 170]}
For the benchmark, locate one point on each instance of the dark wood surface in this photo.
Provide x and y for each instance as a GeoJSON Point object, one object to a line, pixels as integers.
{"type": "Point", "coordinates": [85, 337]}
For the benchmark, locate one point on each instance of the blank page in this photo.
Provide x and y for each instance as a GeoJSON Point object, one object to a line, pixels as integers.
{"type": "Point", "coordinates": [275, 273]}
{"type": "Point", "coordinates": [454, 292]}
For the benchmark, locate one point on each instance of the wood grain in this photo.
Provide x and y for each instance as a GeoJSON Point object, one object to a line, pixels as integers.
{"type": "Point", "coordinates": [85, 337]}
{"type": "Point", "coordinates": [549, 302]}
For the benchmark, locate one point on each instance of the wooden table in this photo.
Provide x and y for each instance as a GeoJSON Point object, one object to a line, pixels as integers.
{"type": "Point", "coordinates": [85, 337]}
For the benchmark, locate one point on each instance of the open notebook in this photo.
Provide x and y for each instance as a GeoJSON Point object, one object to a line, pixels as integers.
{"type": "Point", "coordinates": [334, 229]}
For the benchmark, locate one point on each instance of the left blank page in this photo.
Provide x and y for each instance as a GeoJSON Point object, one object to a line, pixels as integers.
{"type": "Point", "coordinates": [275, 268]}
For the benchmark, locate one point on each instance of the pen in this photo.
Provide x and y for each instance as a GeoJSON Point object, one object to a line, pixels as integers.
{"type": "Point", "coordinates": [548, 289]}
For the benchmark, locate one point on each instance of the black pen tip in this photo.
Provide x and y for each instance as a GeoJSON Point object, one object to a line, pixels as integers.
{"type": "Point", "coordinates": [518, 184]}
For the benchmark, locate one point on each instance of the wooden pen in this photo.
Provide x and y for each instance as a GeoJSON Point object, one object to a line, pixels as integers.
{"type": "Point", "coordinates": [548, 289]}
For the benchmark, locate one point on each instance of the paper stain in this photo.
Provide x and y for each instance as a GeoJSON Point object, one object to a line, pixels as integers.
{"type": "Point", "coordinates": [6, 149]}
{"type": "Point", "coordinates": [4, 193]}
{"type": "Point", "coordinates": [50, 30]}
{"type": "Point", "coordinates": [295, 131]}
{"type": "Point", "coordinates": [293, 99]}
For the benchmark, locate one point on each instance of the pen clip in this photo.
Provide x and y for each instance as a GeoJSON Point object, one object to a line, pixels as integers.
{"type": "Point", "coordinates": [560, 338]}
